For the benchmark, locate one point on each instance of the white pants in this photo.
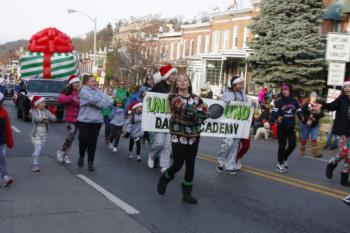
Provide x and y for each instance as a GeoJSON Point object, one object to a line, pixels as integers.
{"type": "Point", "coordinates": [161, 145]}
{"type": "Point", "coordinates": [228, 153]}
{"type": "Point", "coordinates": [36, 154]}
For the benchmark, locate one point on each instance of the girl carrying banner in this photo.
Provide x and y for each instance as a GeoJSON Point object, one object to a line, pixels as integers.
{"type": "Point", "coordinates": [230, 147]}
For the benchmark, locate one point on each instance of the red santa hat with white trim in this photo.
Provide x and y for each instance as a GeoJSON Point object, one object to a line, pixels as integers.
{"type": "Point", "coordinates": [136, 104]}
{"type": "Point", "coordinates": [37, 100]}
{"type": "Point", "coordinates": [73, 79]}
{"type": "Point", "coordinates": [167, 71]}
{"type": "Point", "coordinates": [347, 82]}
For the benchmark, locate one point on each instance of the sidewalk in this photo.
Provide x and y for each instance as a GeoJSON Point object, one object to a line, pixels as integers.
{"type": "Point", "coordinates": [55, 200]}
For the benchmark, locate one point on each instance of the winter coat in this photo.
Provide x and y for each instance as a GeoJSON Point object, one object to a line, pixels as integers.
{"type": "Point", "coordinates": [341, 124]}
{"type": "Point", "coordinates": [92, 101]}
{"type": "Point", "coordinates": [72, 103]}
{"type": "Point", "coordinates": [161, 87]}
{"type": "Point", "coordinates": [230, 95]}
{"type": "Point", "coordinates": [308, 115]}
{"type": "Point", "coordinates": [6, 136]}
{"type": "Point", "coordinates": [142, 90]}
{"type": "Point", "coordinates": [40, 128]}
{"type": "Point", "coordinates": [287, 108]}
{"type": "Point", "coordinates": [117, 117]}
{"type": "Point", "coordinates": [135, 128]}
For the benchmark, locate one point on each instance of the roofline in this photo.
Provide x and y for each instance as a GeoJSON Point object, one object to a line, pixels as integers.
{"type": "Point", "coordinates": [195, 25]}
{"type": "Point", "coordinates": [231, 12]}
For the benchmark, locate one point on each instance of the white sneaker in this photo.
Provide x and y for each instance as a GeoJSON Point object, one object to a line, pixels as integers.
{"type": "Point", "coordinates": [285, 164]}
{"type": "Point", "coordinates": [281, 169]}
{"type": "Point", "coordinates": [138, 158]}
{"type": "Point", "coordinates": [162, 170]}
{"type": "Point", "coordinates": [150, 162]}
{"type": "Point", "coordinates": [239, 165]}
{"type": "Point", "coordinates": [111, 146]}
{"type": "Point", "coordinates": [60, 156]}
{"type": "Point", "coordinates": [67, 160]}
{"type": "Point", "coordinates": [115, 149]}
{"type": "Point", "coordinates": [346, 200]}
{"type": "Point", "coordinates": [8, 181]}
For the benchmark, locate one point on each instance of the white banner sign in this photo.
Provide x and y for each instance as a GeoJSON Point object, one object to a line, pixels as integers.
{"type": "Point", "coordinates": [333, 94]}
{"type": "Point", "coordinates": [226, 120]}
{"type": "Point", "coordinates": [336, 74]}
{"type": "Point", "coordinates": [338, 47]}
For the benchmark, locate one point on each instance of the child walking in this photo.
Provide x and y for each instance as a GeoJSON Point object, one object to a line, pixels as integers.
{"type": "Point", "coordinates": [136, 133]}
{"type": "Point", "coordinates": [41, 118]}
{"type": "Point", "coordinates": [117, 121]}
{"type": "Point", "coordinates": [6, 139]}
{"type": "Point", "coordinates": [70, 97]}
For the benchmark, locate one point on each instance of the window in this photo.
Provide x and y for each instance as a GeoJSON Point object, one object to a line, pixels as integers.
{"type": "Point", "coordinates": [235, 37]}
{"type": "Point", "coordinates": [246, 38]}
{"type": "Point", "coordinates": [178, 51]}
{"type": "Point", "coordinates": [207, 43]}
{"type": "Point", "coordinates": [216, 41]}
{"type": "Point", "coordinates": [191, 48]}
{"type": "Point", "coordinates": [226, 40]}
{"type": "Point", "coordinates": [199, 44]}
{"type": "Point", "coordinates": [184, 49]}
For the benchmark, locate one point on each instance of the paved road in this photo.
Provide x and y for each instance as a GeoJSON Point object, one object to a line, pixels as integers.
{"type": "Point", "coordinates": [255, 200]}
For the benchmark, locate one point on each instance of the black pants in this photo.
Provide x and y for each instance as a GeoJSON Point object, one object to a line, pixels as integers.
{"type": "Point", "coordinates": [184, 154]}
{"type": "Point", "coordinates": [115, 133]}
{"type": "Point", "coordinates": [285, 135]}
{"type": "Point", "coordinates": [138, 146]}
{"type": "Point", "coordinates": [88, 135]}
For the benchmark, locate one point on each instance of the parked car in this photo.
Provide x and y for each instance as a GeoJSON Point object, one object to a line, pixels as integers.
{"type": "Point", "coordinates": [9, 90]}
{"type": "Point", "coordinates": [50, 89]}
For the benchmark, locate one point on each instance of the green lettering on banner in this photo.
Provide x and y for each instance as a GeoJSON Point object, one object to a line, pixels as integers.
{"type": "Point", "coordinates": [236, 112]}
{"type": "Point", "coordinates": [227, 112]}
{"type": "Point", "coordinates": [158, 103]}
{"type": "Point", "coordinates": [245, 113]}
{"type": "Point", "coordinates": [167, 106]}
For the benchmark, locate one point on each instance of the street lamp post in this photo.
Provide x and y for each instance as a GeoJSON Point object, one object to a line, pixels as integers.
{"type": "Point", "coordinates": [94, 20]}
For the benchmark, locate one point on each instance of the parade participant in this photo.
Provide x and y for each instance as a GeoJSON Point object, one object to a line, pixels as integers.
{"type": "Point", "coordinates": [117, 121]}
{"type": "Point", "coordinates": [262, 96]}
{"type": "Point", "coordinates": [310, 126]}
{"type": "Point", "coordinates": [6, 139]}
{"type": "Point", "coordinates": [341, 128]}
{"type": "Point", "coordinates": [188, 112]}
{"type": "Point", "coordinates": [147, 86]}
{"type": "Point", "coordinates": [284, 112]}
{"type": "Point", "coordinates": [106, 112]}
{"type": "Point", "coordinates": [122, 92]}
{"type": "Point", "coordinates": [70, 97]}
{"type": "Point", "coordinates": [41, 118]}
{"type": "Point", "coordinates": [90, 118]}
{"type": "Point", "coordinates": [136, 133]}
{"type": "Point", "coordinates": [162, 141]}
{"type": "Point", "coordinates": [227, 157]}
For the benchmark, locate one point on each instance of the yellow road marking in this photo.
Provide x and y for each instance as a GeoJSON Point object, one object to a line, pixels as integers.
{"type": "Point", "coordinates": [286, 180]}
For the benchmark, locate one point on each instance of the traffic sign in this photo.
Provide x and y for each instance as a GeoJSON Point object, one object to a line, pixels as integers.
{"type": "Point", "coordinates": [336, 74]}
{"type": "Point", "coordinates": [338, 47]}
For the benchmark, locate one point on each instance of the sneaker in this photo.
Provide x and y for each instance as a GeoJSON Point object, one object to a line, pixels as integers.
{"type": "Point", "coordinates": [150, 162]}
{"type": "Point", "coordinates": [91, 167]}
{"type": "Point", "coordinates": [163, 170]}
{"type": "Point", "coordinates": [346, 200]}
{"type": "Point", "coordinates": [111, 146]}
{"type": "Point", "coordinates": [35, 168]}
{"type": "Point", "coordinates": [80, 162]}
{"type": "Point", "coordinates": [115, 149]}
{"type": "Point", "coordinates": [239, 165]}
{"type": "Point", "coordinates": [67, 160]}
{"type": "Point", "coordinates": [7, 181]}
{"type": "Point", "coordinates": [131, 156]}
{"type": "Point", "coordinates": [220, 169]}
{"type": "Point", "coordinates": [138, 158]}
{"type": "Point", "coordinates": [285, 164]}
{"type": "Point", "coordinates": [231, 171]}
{"type": "Point", "coordinates": [281, 169]}
{"type": "Point", "coordinates": [60, 156]}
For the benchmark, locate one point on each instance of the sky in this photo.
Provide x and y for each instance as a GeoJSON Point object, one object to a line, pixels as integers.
{"type": "Point", "coordinates": [19, 19]}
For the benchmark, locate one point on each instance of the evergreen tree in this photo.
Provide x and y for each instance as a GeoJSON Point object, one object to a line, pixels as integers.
{"type": "Point", "coordinates": [288, 46]}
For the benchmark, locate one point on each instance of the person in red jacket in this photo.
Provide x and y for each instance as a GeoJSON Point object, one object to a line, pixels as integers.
{"type": "Point", "coordinates": [70, 97]}
{"type": "Point", "coordinates": [6, 139]}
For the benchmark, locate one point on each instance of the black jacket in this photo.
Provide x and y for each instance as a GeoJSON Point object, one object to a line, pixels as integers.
{"type": "Point", "coordinates": [341, 124]}
{"type": "Point", "coordinates": [286, 108]}
{"type": "Point", "coordinates": [161, 87]}
{"type": "Point", "coordinates": [307, 114]}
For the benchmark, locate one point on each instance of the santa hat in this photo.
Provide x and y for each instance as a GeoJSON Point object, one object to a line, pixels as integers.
{"type": "Point", "coordinates": [347, 82]}
{"type": "Point", "coordinates": [157, 77]}
{"type": "Point", "coordinates": [73, 79]}
{"type": "Point", "coordinates": [37, 100]}
{"type": "Point", "coordinates": [136, 105]}
{"type": "Point", "coordinates": [166, 71]}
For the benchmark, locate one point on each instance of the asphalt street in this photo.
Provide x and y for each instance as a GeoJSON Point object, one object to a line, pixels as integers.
{"type": "Point", "coordinates": [257, 199]}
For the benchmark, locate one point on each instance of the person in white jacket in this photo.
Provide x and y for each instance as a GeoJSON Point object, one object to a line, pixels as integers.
{"type": "Point", "coordinates": [90, 118]}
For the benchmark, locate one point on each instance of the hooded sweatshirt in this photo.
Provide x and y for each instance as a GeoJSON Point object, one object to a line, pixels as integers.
{"type": "Point", "coordinates": [118, 117]}
{"type": "Point", "coordinates": [72, 103]}
{"type": "Point", "coordinates": [287, 108]}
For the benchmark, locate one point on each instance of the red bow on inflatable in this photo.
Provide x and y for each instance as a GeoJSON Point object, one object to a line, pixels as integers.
{"type": "Point", "coordinates": [48, 41]}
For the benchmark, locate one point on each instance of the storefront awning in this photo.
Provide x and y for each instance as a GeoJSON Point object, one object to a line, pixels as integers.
{"type": "Point", "coordinates": [333, 12]}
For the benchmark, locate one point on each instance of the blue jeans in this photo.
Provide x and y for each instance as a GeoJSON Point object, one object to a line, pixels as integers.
{"type": "Point", "coordinates": [306, 131]}
{"type": "Point", "coordinates": [3, 166]}
{"type": "Point", "coordinates": [107, 126]}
